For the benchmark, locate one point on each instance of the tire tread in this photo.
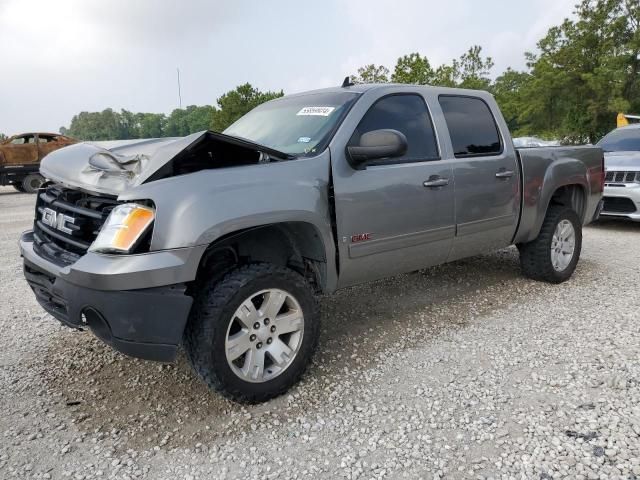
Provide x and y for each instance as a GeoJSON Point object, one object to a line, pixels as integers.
{"type": "Point", "coordinates": [210, 302]}
{"type": "Point", "coordinates": [535, 258]}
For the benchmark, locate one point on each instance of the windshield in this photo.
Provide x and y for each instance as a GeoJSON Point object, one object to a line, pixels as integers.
{"type": "Point", "coordinates": [621, 140]}
{"type": "Point", "coordinates": [299, 125]}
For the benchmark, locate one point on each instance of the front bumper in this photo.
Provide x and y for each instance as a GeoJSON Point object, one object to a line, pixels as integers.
{"type": "Point", "coordinates": [622, 201]}
{"type": "Point", "coordinates": [137, 304]}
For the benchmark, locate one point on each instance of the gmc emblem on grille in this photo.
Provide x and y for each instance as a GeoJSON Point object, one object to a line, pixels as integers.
{"type": "Point", "coordinates": [57, 220]}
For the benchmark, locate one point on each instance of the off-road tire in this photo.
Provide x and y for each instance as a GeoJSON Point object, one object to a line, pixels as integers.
{"type": "Point", "coordinates": [535, 256]}
{"type": "Point", "coordinates": [214, 306]}
{"type": "Point", "coordinates": [18, 187]}
{"type": "Point", "coordinates": [32, 182]}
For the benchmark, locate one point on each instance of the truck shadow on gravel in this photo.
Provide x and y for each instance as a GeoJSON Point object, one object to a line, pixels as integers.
{"type": "Point", "coordinates": [143, 404]}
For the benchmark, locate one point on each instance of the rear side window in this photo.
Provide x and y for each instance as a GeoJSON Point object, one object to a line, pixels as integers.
{"type": "Point", "coordinates": [471, 125]}
{"type": "Point", "coordinates": [408, 114]}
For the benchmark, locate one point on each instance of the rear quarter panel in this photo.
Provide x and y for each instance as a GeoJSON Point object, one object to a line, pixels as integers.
{"type": "Point", "coordinates": [545, 170]}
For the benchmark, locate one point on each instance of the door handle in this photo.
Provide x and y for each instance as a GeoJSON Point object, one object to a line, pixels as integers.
{"type": "Point", "coordinates": [504, 174]}
{"type": "Point", "coordinates": [436, 181]}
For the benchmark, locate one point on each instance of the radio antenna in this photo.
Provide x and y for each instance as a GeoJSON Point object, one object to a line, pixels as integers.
{"type": "Point", "coordinates": [179, 92]}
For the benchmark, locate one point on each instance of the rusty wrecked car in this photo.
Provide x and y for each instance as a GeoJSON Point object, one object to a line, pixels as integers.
{"type": "Point", "coordinates": [20, 158]}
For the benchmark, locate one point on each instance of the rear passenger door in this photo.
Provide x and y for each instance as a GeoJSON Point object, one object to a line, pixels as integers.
{"type": "Point", "coordinates": [486, 177]}
{"type": "Point", "coordinates": [388, 220]}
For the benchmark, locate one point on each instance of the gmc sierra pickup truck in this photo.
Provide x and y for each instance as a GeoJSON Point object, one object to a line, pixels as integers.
{"type": "Point", "coordinates": [220, 242]}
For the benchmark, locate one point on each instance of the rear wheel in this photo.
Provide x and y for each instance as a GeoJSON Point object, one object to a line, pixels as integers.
{"type": "Point", "coordinates": [251, 335]}
{"type": "Point", "coordinates": [32, 182]}
{"type": "Point", "coordinates": [554, 255]}
{"type": "Point", "coordinates": [18, 187]}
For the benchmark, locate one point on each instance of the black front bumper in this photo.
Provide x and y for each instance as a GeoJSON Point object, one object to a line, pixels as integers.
{"type": "Point", "coordinates": [144, 323]}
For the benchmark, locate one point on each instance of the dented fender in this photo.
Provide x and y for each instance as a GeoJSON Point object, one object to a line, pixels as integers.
{"type": "Point", "coordinates": [202, 207]}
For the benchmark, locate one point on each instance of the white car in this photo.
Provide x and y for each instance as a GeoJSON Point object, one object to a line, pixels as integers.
{"type": "Point", "coordinates": [532, 142]}
{"type": "Point", "coordinates": [622, 164]}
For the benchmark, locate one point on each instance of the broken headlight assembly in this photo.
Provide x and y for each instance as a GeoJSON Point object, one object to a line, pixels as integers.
{"type": "Point", "coordinates": [125, 226]}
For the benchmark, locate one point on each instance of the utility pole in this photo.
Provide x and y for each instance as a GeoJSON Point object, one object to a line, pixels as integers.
{"type": "Point", "coordinates": [179, 92]}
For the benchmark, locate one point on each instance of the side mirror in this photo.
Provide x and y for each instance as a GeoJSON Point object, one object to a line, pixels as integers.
{"type": "Point", "coordinates": [375, 145]}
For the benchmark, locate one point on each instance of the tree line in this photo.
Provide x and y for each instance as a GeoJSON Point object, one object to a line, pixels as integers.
{"type": "Point", "coordinates": [112, 125]}
{"type": "Point", "coordinates": [584, 71]}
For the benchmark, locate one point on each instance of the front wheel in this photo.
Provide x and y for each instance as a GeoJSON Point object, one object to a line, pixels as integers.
{"type": "Point", "coordinates": [251, 335]}
{"type": "Point", "coordinates": [554, 254]}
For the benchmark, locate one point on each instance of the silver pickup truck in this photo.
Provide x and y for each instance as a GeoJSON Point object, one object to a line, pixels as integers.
{"type": "Point", "coordinates": [220, 242]}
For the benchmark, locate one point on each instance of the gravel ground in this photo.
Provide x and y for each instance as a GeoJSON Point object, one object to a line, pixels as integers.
{"type": "Point", "coordinates": [461, 371]}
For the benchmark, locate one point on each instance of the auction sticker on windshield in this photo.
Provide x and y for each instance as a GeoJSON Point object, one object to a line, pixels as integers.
{"type": "Point", "coordinates": [318, 111]}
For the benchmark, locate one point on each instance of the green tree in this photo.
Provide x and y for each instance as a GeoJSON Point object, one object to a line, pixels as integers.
{"type": "Point", "coordinates": [472, 70]}
{"type": "Point", "coordinates": [508, 90]}
{"type": "Point", "coordinates": [585, 71]}
{"type": "Point", "coordinates": [235, 103]}
{"type": "Point", "coordinates": [3, 137]}
{"type": "Point", "coordinates": [371, 74]}
{"type": "Point", "coordinates": [105, 125]}
{"type": "Point", "coordinates": [414, 69]}
{"type": "Point", "coordinates": [446, 76]}
{"type": "Point", "coordinates": [128, 125]}
{"type": "Point", "coordinates": [189, 120]}
{"type": "Point", "coordinates": [151, 125]}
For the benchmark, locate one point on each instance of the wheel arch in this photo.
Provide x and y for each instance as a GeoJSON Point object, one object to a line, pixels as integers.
{"type": "Point", "coordinates": [297, 245]}
{"type": "Point", "coordinates": [561, 180]}
{"type": "Point", "coordinates": [573, 195]}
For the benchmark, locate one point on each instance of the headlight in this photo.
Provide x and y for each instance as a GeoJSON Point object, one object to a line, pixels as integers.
{"type": "Point", "coordinates": [125, 225]}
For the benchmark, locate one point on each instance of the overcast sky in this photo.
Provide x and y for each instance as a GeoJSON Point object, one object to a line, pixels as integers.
{"type": "Point", "coordinates": [60, 57]}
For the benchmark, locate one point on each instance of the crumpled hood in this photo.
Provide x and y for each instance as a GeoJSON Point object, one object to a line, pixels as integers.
{"type": "Point", "coordinates": [622, 161]}
{"type": "Point", "coordinates": [112, 167]}
{"type": "Point", "coordinates": [116, 166]}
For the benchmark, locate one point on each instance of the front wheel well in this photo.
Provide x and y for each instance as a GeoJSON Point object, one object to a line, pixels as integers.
{"type": "Point", "coordinates": [295, 245]}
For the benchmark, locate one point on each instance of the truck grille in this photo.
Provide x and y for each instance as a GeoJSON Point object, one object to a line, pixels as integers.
{"type": "Point", "coordinates": [618, 205]}
{"type": "Point", "coordinates": [622, 177]}
{"type": "Point", "coordinates": [88, 212]}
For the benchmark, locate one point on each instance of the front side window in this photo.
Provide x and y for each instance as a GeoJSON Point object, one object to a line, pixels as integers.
{"type": "Point", "coordinates": [621, 140]}
{"type": "Point", "coordinates": [297, 125]}
{"type": "Point", "coordinates": [408, 114]}
{"type": "Point", "coordinates": [471, 125]}
{"type": "Point", "coordinates": [18, 141]}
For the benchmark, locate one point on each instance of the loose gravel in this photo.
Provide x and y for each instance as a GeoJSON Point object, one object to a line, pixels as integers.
{"type": "Point", "coordinates": [465, 370]}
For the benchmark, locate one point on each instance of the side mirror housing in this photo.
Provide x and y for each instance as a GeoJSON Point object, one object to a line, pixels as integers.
{"type": "Point", "coordinates": [375, 145]}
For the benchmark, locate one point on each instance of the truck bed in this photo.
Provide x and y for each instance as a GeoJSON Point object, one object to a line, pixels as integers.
{"type": "Point", "coordinates": [583, 165]}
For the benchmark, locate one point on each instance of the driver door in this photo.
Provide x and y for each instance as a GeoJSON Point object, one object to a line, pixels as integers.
{"type": "Point", "coordinates": [396, 214]}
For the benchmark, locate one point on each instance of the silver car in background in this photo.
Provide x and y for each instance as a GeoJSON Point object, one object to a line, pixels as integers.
{"type": "Point", "coordinates": [533, 142]}
{"type": "Point", "coordinates": [622, 164]}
